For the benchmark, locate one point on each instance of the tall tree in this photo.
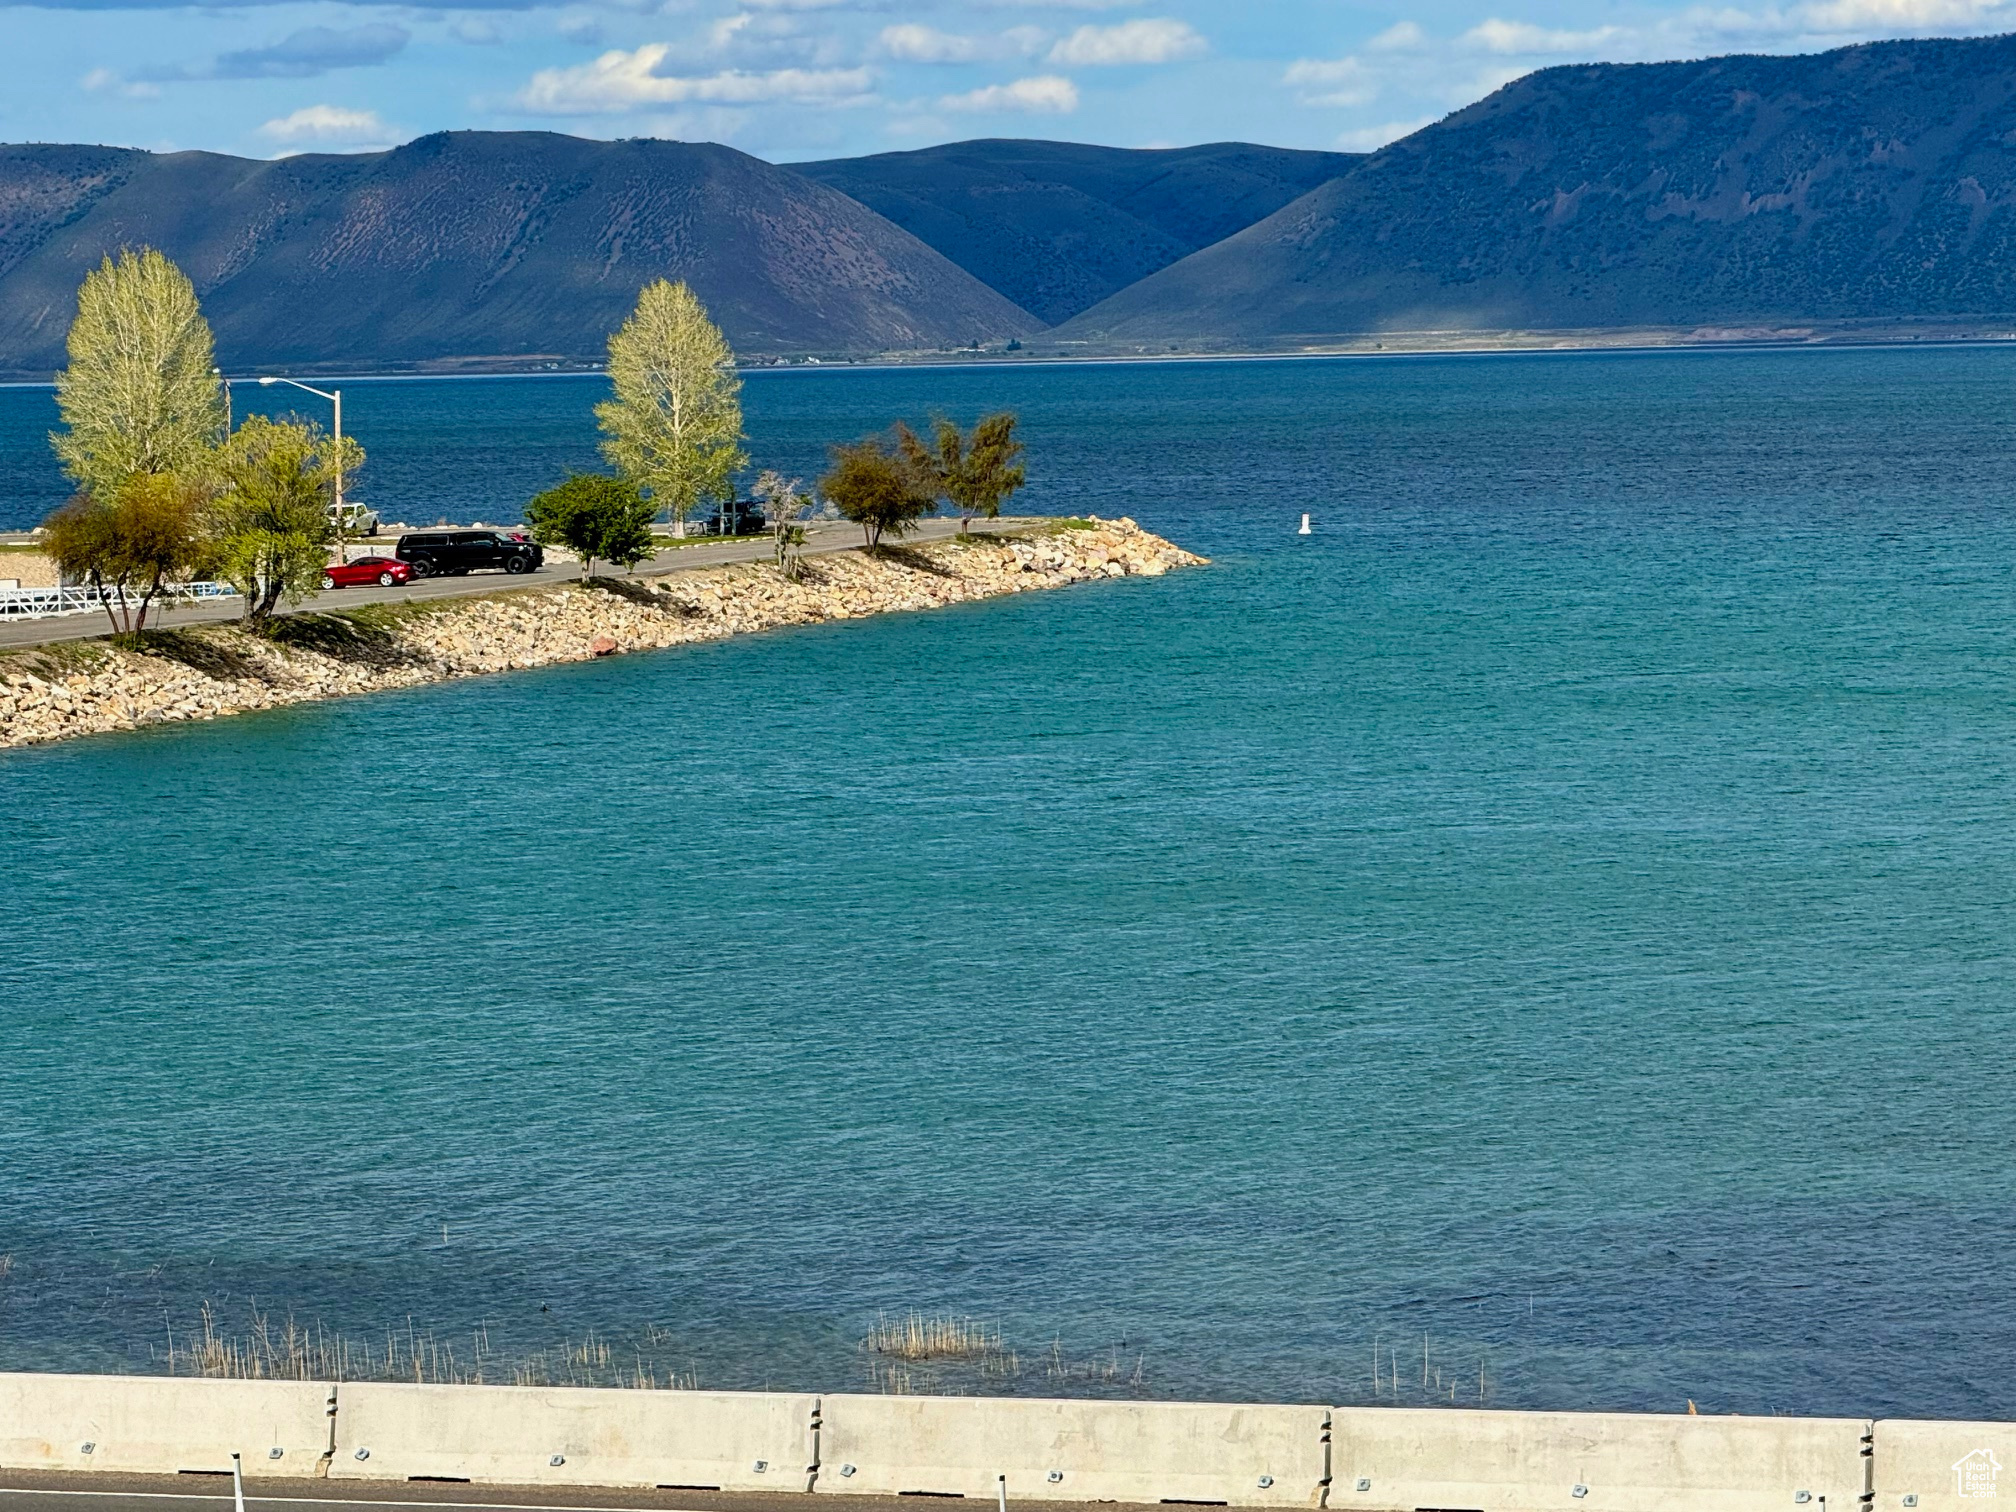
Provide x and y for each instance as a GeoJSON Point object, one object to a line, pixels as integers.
{"type": "Point", "coordinates": [596, 517]}
{"type": "Point", "coordinates": [976, 474]}
{"type": "Point", "coordinates": [271, 519]}
{"type": "Point", "coordinates": [141, 394]}
{"type": "Point", "coordinates": [674, 427]}
{"type": "Point", "coordinates": [133, 546]}
{"type": "Point", "coordinates": [879, 487]}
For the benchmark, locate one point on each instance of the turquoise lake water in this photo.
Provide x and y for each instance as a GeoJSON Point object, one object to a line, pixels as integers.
{"type": "Point", "coordinates": [1560, 909]}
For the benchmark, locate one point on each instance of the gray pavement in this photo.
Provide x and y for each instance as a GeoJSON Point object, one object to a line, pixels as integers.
{"type": "Point", "coordinates": [822, 538]}
{"type": "Point", "coordinates": [31, 1491]}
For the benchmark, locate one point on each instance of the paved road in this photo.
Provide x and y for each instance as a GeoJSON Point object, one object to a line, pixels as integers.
{"type": "Point", "coordinates": [26, 1491]}
{"type": "Point", "coordinates": [821, 539]}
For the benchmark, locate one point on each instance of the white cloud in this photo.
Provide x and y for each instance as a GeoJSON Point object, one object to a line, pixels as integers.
{"type": "Point", "coordinates": [1899, 15]}
{"type": "Point", "coordinates": [1702, 30]}
{"type": "Point", "coordinates": [1407, 76]}
{"type": "Point", "coordinates": [1823, 22]}
{"type": "Point", "coordinates": [328, 123]}
{"type": "Point", "coordinates": [1525, 40]}
{"type": "Point", "coordinates": [726, 29]}
{"type": "Point", "coordinates": [1144, 41]}
{"type": "Point", "coordinates": [105, 81]}
{"type": "Point", "coordinates": [775, 39]}
{"type": "Point", "coordinates": [926, 44]}
{"type": "Point", "coordinates": [1401, 36]}
{"type": "Point", "coordinates": [1333, 81]}
{"type": "Point", "coordinates": [621, 81]}
{"type": "Point", "coordinates": [1045, 95]}
{"type": "Point", "coordinates": [1372, 138]}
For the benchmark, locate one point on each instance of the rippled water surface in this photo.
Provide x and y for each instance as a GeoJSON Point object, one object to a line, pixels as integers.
{"type": "Point", "coordinates": [1560, 909]}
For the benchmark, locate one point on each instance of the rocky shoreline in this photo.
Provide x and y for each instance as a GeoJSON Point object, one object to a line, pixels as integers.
{"type": "Point", "coordinates": [60, 691]}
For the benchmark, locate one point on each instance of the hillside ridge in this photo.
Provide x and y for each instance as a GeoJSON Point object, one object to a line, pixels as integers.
{"type": "Point", "coordinates": [1873, 182]}
{"type": "Point", "coordinates": [1058, 226]}
{"type": "Point", "coordinates": [475, 248]}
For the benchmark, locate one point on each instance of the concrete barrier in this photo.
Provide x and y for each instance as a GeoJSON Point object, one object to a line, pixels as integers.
{"type": "Point", "coordinates": [1942, 1467]}
{"type": "Point", "coordinates": [1073, 1451]}
{"type": "Point", "coordinates": [1348, 1459]}
{"type": "Point", "coordinates": [566, 1435]}
{"type": "Point", "coordinates": [1403, 1460]}
{"type": "Point", "coordinates": [163, 1425]}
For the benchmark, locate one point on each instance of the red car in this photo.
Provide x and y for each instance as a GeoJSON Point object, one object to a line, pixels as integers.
{"type": "Point", "coordinates": [372, 569]}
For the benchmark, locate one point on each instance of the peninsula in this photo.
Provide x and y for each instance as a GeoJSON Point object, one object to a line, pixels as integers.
{"type": "Point", "coordinates": [63, 689]}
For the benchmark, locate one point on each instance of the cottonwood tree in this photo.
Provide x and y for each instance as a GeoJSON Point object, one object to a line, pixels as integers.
{"type": "Point", "coordinates": [880, 488]}
{"type": "Point", "coordinates": [134, 546]}
{"type": "Point", "coordinates": [975, 474]}
{"type": "Point", "coordinates": [674, 427]}
{"type": "Point", "coordinates": [141, 395]}
{"type": "Point", "coordinates": [783, 507]}
{"type": "Point", "coordinates": [270, 519]}
{"type": "Point", "coordinates": [597, 517]}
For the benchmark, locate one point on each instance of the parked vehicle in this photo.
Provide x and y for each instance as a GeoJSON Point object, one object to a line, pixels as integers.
{"type": "Point", "coordinates": [741, 518]}
{"type": "Point", "coordinates": [451, 553]}
{"type": "Point", "coordinates": [371, 569]}
{"type": "Point", "coordinates": [353, 520]}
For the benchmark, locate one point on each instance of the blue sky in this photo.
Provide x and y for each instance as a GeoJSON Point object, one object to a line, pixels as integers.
{"type": "Point", "coordinates": [797, 79]}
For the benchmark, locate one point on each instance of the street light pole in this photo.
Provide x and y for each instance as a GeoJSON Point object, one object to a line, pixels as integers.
{"type": "Point", "coordinates": [335, 397]}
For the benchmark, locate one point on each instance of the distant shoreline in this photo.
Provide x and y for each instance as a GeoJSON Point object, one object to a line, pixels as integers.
{"type": "Point", "coordinates": [1623, 342]}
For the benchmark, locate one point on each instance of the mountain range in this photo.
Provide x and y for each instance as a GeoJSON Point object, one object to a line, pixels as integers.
{"type": "Point", "coordinates": [1868, 184]}
{"type": "Point", "coordinates": [1872, 183]}
{"type": "Point", "coordinates": [476, 247]}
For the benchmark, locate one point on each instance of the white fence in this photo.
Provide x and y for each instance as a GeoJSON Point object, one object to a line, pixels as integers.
{"type": "Point", "coordinates": [46, 603]}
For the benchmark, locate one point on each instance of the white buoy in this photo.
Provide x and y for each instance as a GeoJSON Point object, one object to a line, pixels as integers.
{"type": "Point", "coordinates": [1305, 526]}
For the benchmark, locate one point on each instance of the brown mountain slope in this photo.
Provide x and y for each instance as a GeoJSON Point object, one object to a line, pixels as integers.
{"type": "Point", "coordinates": [1869, 183]}
{"type": "Point", "coordinates": [475, 246]}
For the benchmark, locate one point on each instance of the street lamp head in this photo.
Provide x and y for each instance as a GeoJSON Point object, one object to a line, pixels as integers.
{"type": "Point", "coordinates": [268, 382]}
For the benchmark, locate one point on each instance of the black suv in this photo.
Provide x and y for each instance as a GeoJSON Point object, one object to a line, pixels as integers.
{"type": "Point", "coordinates": [738, 519]}
{"type": "Point", "coordinates": [442, 553]}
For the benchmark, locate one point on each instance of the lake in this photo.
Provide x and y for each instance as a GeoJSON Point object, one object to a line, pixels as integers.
{"type": "Point", "coordinates": [1555, 916]}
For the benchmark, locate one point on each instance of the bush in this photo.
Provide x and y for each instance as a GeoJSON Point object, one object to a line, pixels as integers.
{"type": "Point", "coordinates": [879, 488]}
{"type": "Point", "coordinates": [131, 546]}
{"type": "Point", "coordinates": [597, 517]}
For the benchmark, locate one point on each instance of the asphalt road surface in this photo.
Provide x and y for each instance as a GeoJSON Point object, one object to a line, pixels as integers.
{"type": "Point", "coordinates": [821, 538]}
{"type": "Point", "coordinates": [28, 1491]}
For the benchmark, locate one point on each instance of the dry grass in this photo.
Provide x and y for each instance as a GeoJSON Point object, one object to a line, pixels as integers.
{"type": "Point", "coordinates": [920, 1338]}
{"type": "Point", "coordinates": [1444, 1380]}
{"type": "Point", "coordinates": [288, 1352]}
{"type": "Point", "coordinates": [1113, 1368]}
{"type": "Point", "coordinates": [891, 1380]}
{"type": "Point", "coordinates": [921, 1355]}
